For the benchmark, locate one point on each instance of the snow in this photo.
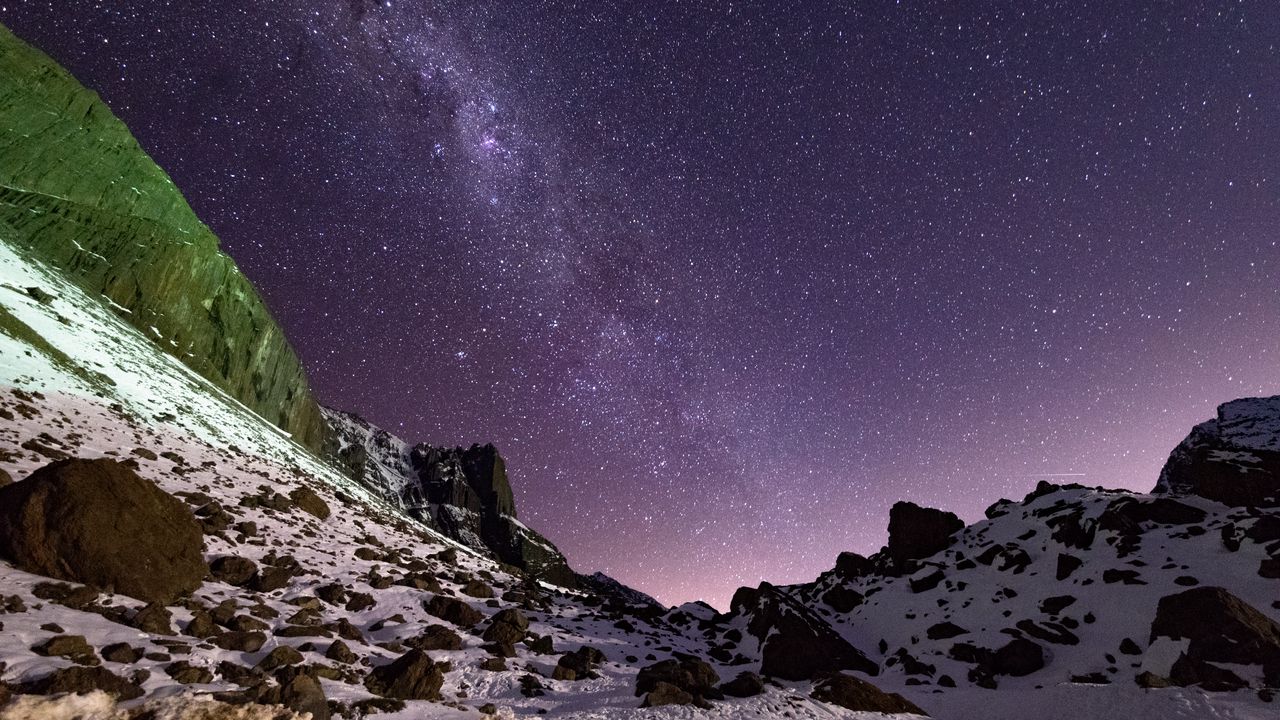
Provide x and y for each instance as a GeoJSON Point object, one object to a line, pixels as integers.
{"type": "Point", "coordinates": [113, 390]}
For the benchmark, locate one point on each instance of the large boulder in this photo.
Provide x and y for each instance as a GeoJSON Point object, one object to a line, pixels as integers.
{"type": "Point", "coordinates": [97, 522]}
{"type": "Point", "coordinates": [1221, 628]}
{"type": "Point", "coordinates": [796, 644]}
{"type": "Point", "coordinates": [917, 532]}
{"type": "Point", "coordinates": [1233, 458]}
{"type": "Point", "coordinates": [861, 696]}
{"type": "Point", "coordinates": [690, 675]}
{"type": "Point", "coordinates": [413, 676]}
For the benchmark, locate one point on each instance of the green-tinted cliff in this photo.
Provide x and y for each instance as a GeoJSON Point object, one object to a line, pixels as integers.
{"type": "Point", "coordinates": [78, 192]}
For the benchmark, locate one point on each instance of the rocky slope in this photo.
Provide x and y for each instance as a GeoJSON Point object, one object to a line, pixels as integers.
{"type": "Point", "coordinates": [1070, 585]}
{"type": "Point", "coordinates": [166, 552]}
{"type": "Point", "coordinates": [463, 494]}
{"type": "Point", "coordinates": [77, 192]}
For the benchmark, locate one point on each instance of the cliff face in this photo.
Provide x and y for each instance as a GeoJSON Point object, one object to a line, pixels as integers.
{"type": "Point", "coordinates": [1233, 458]}
{"type": "Point", "coordinates": [462, 493]}
{"type": "Point", "coordinates": [78, 193]}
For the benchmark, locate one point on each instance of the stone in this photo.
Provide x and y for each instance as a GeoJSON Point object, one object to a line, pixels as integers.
{"type": "Point", "coordinates": [1018, 658]}
{"type": "Point", "coordinates": [454, 610]}
{"type": "Point", "coordinates": [72, 647]}
{"type": "Point", "coordinates": [184, 672]}
{"type": "Point", "coordinates": [477, 589]}
{"type": "Point", "coordinates": [664, 693]}
{"type": "Point", "coordinates": [303, 693]}
{"type": "Point", "coordinates": [917, 532]}
{"type": "Point", "coordinates": [155, 619]}
{"type": "Point", "coordinates": [578, 665]}
{"type": "Point", "coordinates": [944, 631]}
{"type": "Point", "coordinates": [690, 674]}
{"type": "Point", "coordinates": [241, 641]}
{"type": "Point", "coordinates": [861, 696]}
{"type": "Point", "coordinates": [233, 570]}
{"type": "Point", "coordinates": [746, 684]}
{"type": "Point", "coordinates": [279, 657]}
{"type": "Point", "coordinates": [339, 652]}
{"type": "Point", "coordinates": [97, 522]}
{"type": "Point", "coordinates": [436, 637]}
{"type": "Point", "coordinates": [1221, 628]}
{"type": "Point", "coordinates": [796, 644]}
{"type": "Point", "coordinates": [412, 676]}
{"type": "Point", "coordinates": [850, 565]}
{"type": "Point", "coordinates": [307, 500]}
{"type": "Point", "coordinates": [121, 653]}
{"type": "Point", "coordinates": [81, 680]}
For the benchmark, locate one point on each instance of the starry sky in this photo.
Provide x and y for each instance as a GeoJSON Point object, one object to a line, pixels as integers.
{"type": "Point", "coordinates": [724, 280]}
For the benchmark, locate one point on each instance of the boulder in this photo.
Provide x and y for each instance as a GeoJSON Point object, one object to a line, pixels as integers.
{"type": "Point", "coordinates": [686, 672]}
{"type": "Point", "coordinates": [97, 522]}
{"type": "Point", "coordinates": [436, 637]}
{"type": "Point", "coordinates": [454, 610]}
{"type": "Point", "coordinates": [917, 532]}
{"type": "Point", "coordinates": [1221, 628]}
{"type": "Point", "coordinates": [746, 684]}
{"type": "Point", "coordinates": [80, 680]}
{"type": "Point", "coordinates": [233, 570]}
{"type": "Point", "coordinates": [796, 643]}
{"type": "Point", "coordinates": [307, 500]}
{"type": "Point", "coordinates": [861, 696]}
{"type": "Point", "coordinates": [1018, 658]}
{"type": "Point", "coordinates": [578, 665]}
{"type": "Point", "coordinates": [413, 676]}
{"type": "Point", "coordinates": [664, 693]}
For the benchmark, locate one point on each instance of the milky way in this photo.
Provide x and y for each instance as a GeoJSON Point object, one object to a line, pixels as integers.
{"type": "Point", "coordinates": [723, 281]}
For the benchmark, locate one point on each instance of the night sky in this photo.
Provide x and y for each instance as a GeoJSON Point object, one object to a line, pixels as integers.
{"type": "Point", "coordinates": [725, 280]}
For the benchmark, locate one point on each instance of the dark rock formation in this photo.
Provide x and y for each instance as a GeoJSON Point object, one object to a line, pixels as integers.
{"type": "Point", "coordinates": [917, 532]}
{"type": "Point", "coordinates": [1233, 458]}
{"type": "Point", "coordinates": [796, 643]}
{"type": "Point", "coordinates": [98, 523]}
{"type": "Point", "coordinates": [462, 493]}
{"type": "Point", "coordinates": [861, 696]}
{"type": "Point", "coordinates": [1222, 628]}
{"type": "Point", "coordinates": [78, 192]}
{"type": "Point", "coordinates": [413, 676]}
{"type": "Point", "coordinates": [691, 676]}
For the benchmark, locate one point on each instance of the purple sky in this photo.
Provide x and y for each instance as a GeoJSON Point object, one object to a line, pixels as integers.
{"type": "Point", "coordinates": [723, 282]}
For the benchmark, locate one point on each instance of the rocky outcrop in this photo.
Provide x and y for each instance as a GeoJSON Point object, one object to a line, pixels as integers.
{"type": "Point", "coordinates": [917, 532]}
{"type": "Point", "coordinates": [796, 644]}
{"type": "Point", "coordinates": [462, 493]}
{"type": "Point", "coordinates": [78, 193]}
{"type": "Point", "coordinates": [96, 522]}
{"type": "Point", "coordinates": [1233, 458]}
{"type": "Point", "coordinates": [1221, 628]}
{"type": "Point", "coordinates": [861, 696]}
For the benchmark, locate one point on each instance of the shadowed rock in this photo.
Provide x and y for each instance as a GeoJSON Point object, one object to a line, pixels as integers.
{"type": "Point", "coordinates": [98, 523]}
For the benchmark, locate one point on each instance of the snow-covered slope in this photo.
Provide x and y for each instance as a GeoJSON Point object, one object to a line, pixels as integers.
{"type": "Point", "coordinates": [76, 381]}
